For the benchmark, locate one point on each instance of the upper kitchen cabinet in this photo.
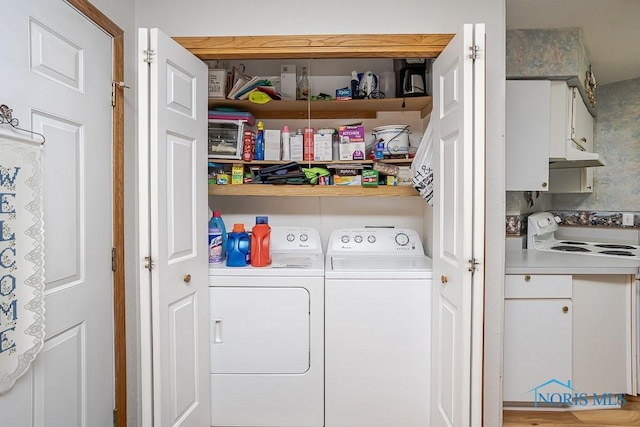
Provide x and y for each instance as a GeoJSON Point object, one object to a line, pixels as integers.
{"type": "Point", "coordinates": [547, 127]}
{"type": "Point", "coordinates": [551, 54]}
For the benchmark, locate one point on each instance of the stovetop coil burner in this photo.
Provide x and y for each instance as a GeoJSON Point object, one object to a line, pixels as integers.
{"type": "Point", "coordinates": [570, 248]}
{"type": "Point", "coordinates": [613, 246]}
{"type": "Point", "coordinates": [618, 253]}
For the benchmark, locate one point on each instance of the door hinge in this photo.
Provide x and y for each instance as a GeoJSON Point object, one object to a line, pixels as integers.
{"type": "Point", "coordinates": [149, 54]}
{"type": "Point", "coordinates": [113, 259]}
{"type": "Point", "coordinates": [116, 85]}
{"type": "Point", "coordinates": [115, 417]}
{"type": "Point", "coordinates": [472, 265]}
{"type": "Point", "coordinates": [474, 52]}
{"type": "Point", "coordinates": [149, 263]}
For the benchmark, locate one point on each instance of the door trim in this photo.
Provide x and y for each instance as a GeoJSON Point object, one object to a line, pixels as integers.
{"type": "Point", "coordinates": [93, 14]}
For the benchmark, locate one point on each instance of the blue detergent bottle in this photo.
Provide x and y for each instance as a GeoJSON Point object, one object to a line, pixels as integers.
{"type": "Point", "coordinates": [259, 153]}
{"type": "Point", "coordinates": [238, 244]}
{"type": "Point", "coordinates": [216, 222]}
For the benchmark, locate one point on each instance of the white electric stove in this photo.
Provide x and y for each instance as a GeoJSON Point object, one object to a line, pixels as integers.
{"type": "Point", "coordinates": [541, 236]}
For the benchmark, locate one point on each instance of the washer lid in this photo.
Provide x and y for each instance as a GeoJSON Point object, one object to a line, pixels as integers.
{"type": "Point", "coordinates": [380, 267]}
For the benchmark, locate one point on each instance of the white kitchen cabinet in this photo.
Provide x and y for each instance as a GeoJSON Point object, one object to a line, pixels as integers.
{"type": "Point", "coordinates": [537, 335]}
{"type": "Point", "coordinates": [562, 328]}
{"type": "Point", "coordinates": [548, 127]}
{"type": "Point", "coordinates": [575, 180]}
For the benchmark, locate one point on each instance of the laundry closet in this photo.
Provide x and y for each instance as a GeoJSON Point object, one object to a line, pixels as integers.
{"type": "Point", "coordinates": [176, 263]}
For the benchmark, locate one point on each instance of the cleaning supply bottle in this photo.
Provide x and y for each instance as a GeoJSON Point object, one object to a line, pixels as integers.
{"type": "Point", "coordinates": [215, 246]}
{"type": "Point", "coordinates": [260, 242]}
{"type": "Point", "coordinates": [259, 155]}
{"type": "Point", "coordinates": [216, 221]}
{"type": "Point", "coordinates": [355, 85]}
{"type": "Point", "coordinates": [286, 147]}
{"type": "Point", "coordinates": [238, 247]}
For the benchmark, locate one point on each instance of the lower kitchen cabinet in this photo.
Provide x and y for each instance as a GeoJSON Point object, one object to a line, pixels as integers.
{"type": "Point", "coordinates": [537, 334]}
{"type": "Point", "coordinates": [568, 334]}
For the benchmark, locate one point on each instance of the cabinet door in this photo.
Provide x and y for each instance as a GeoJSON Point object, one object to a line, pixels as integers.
{"type": "Point", "coordinates": [574, 180]}
{"type": "Point", "coordinates": [537, 348]}
{"type": "Point", "coordinates": [527, 136]}
{"type": "Point", "coordinates": [581, 123]}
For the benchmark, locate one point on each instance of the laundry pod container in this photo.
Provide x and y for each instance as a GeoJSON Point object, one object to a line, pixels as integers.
{"type": "Point", "coordinates": [395, 137]}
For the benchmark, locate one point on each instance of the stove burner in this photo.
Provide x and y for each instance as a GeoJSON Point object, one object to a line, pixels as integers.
{"type": "Point", "coordinates": [570, 248]}
{"type": "Point", "coordinates": [573, 243]}
{"type": "Point", "coordinates": [614, 246]}
{"type": "Point", "coordinates": [619, 253]}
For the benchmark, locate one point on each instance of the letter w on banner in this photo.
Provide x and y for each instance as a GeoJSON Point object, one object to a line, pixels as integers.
{"type": "Point", "coordinates": [21, 256]}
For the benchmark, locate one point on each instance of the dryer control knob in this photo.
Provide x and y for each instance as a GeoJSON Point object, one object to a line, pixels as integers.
{"type": "Point", "coordinates": [371, 239]}
{"type": "Point", "coordinates": [290, 237]}
{"type": "Point", "coordinates": [344, 239]}
{"type": "Point", "coordinates": [304, 237]}
{"type": "Point", "coordinates": [358, 239]}
{"type": "Point", "coordinates": [402, 239]}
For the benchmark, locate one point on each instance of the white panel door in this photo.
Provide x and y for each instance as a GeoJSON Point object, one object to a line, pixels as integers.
{"type": "Point", "coordinates": [454, 220]}
{"type": "Point", "coordinates": [56, 75]}
{"type": "Point", "coordinates": [173, 224]}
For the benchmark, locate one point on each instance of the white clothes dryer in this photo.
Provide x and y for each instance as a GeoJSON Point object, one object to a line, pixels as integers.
{"type": "Point", "coordinates": [377, 328]}
{"type": "Point", "coordinates": [267, 336]}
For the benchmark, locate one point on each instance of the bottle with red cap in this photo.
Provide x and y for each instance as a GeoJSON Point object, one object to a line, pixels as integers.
{"type": "Point", "coordinates": [260, 243]}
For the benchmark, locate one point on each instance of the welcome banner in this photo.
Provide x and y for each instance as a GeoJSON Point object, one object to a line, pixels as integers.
{"type": "Point", "coordinates": [21, 257]}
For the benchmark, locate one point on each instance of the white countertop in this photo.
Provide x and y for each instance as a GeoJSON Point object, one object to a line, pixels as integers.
{"type": "Point", "coordinates": [523, 261]}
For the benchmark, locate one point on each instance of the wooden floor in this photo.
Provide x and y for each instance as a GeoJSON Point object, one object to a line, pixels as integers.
{"type": "Point", "coordinates": [628, 415]}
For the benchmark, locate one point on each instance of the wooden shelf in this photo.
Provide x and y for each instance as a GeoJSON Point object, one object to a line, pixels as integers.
{"type": "Point", "coordinates": [311, 190]}
{"type": "Point", "coordinates": [351, 109]}
{"type": "Point", "coordinates": [303, 163]}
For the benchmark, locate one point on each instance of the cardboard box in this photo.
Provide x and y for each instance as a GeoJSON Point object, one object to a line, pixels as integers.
{"type": "Point", "coordinates": [296, 147]}
{"type": "Point", "coordinates": [272, 148]}
{"type": "Point", "coordinates": [322, 146]}
{"type": "Point", "coordinates": [351, 142]}
{"type": "Point", "coordinates": [347, 180]}
{"type": "Point", "coordinates": [288, 82]}
{"type": "Point", "coordinates": [237, 173]}
{"type": "Point", "coordinates": [369, 178]}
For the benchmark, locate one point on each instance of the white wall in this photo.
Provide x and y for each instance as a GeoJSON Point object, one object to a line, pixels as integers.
{"type": "Point", "coordinates": [253, 17]}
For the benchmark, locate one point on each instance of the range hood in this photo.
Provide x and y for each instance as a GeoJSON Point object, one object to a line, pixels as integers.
{"type": "Point", "coordinates": [575, 158]}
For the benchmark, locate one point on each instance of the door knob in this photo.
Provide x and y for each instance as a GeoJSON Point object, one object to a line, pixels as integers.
{"type": "Point", "coordinates": [444, 279]}
{"type": "Point", "coordinates": [186, 278]}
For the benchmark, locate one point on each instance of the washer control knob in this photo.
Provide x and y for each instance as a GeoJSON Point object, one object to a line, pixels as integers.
{"type": "Point", "coordinates": [371, 239]}
{"type": "Point", "coordinates": [344, 239]}
{"type": "Point", "coordinates": [358, 239]}
{"type": "Point", "coordinates": [304, 237]}
{"type": "Point", "coordinates": [290, 237]}
{"type": "Point", "coordinates": [402, 239]}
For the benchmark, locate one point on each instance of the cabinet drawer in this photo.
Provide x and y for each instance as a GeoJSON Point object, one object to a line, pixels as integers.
{"type": "Point", "coordinates": [537, 286]}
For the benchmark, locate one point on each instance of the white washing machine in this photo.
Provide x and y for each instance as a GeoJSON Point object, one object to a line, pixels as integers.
{"type": "Point", "coordinates": [267, 336]}
{"type": "Point", "coordinates": [377, 329]}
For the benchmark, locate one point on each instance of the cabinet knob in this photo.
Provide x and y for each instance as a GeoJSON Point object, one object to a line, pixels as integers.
{"type": "Point", "coordinates": [444, 279]}
{"type": "Point", "coordinates": [565, 309]}
{"type": "Point", "coordinates": [186, 278]}
{"type": "Point", "coordinates": [544, 185]}
{"type": "Point", "coordinates": [527, 278]}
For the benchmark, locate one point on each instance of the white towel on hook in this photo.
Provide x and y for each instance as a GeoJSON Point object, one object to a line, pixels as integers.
{"type": "Point", "coordinates": [422, 168]}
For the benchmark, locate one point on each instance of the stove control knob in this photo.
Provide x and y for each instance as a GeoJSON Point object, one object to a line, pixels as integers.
{"type": "Point", "coordinates": [290, 237]}
{"type": "Point", "coordinates": [402, 239]}
{"type": "Point", "coordinates": [304, 237]}
{"type": "Point", "coordinates": [344, 239]}
{"type": "Point", "coordinates": [371, 239]}
{"type": "Point", "coordinates": [358, 239]}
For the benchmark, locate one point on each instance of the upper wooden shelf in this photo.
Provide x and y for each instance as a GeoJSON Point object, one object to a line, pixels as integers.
{"type": "Point", "coordinates": [351, 109]}
{"type": "Point", "coordinates": [312, 190]}
{"type": "Point", "coordinates": [317, 46]}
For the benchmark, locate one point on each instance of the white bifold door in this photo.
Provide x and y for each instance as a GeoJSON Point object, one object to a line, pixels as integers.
{"type": "Point", "coordinates": [172, 150]}
{"type": "Point", "coordinates": [458, 230]}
